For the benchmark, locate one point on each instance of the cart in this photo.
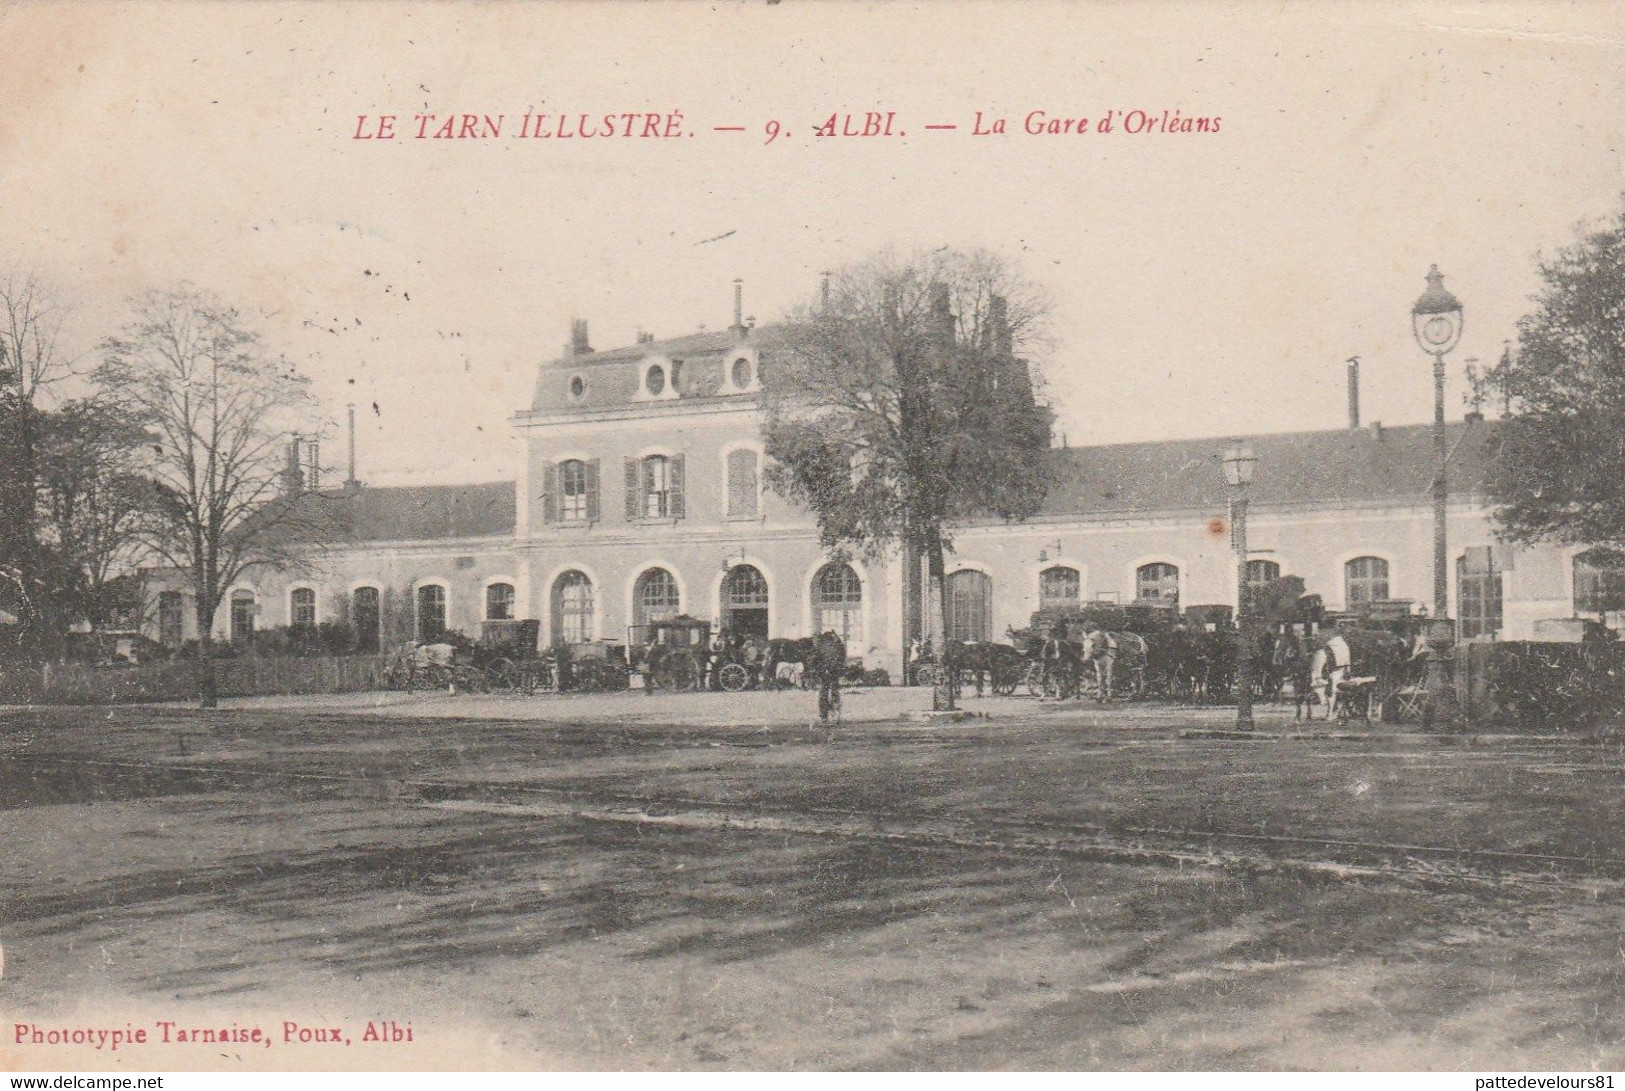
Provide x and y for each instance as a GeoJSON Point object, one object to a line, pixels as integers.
{"type": "Point", "coordinates": [671, 653]}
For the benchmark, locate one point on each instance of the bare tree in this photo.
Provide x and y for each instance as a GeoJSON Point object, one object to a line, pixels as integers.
{"type": "Point", "coordinates": [219, 404]}
{"type": "Point", "coordinates": [30, 361]}
{"type": "Point", "coordinates": [899, 406]}
{"type": "Point", "coordinates": [93, 500]}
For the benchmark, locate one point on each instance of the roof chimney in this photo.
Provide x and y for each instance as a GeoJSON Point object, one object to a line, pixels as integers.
{"type": "Point", "coordinates": [313, 475]}
{"type": "Point", "coordinates": [578, 346]}
{"type": "Point", "coordinates": [823, 291]}
{"type": "Point", "coordinates": [739, 305]}
{"type": "Point", "coordinates": [1376, 430]}
{"type": "Point", "coordinates": [1354, 392]}
{"type": "Point", "coordinates": [293, 477]}
{"type": "Point", "coordinates": [351, 484]}
{"type": "Point", "coordinates": [644, 337]}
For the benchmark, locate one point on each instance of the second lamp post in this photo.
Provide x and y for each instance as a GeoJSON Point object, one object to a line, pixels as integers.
{"type": "Point", "coordinates": [1239, 464]}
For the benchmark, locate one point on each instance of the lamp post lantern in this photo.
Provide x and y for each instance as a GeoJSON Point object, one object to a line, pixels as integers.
{"type": "Point", "coordinates": [1436, 320]}
{"type": "Point", "coordinates": [1239, 463]}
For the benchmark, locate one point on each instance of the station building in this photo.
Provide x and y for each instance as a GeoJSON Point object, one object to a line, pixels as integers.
{"type": "Point", "coordinates": [642, 495]}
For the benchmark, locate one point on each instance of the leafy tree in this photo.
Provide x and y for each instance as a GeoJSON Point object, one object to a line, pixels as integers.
{"type": "Point", "coordinates": [897, 405]}
{"type": "Point", "coordinates": [1558, 472]}
{"type": "Point", "coordinates": [219, 404]}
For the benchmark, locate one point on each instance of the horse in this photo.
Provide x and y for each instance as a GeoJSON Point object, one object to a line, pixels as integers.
{"type": "Point", "coordinates": [999, 665]}
{"type": "Point", "coordinates": [1329, 667]}
{"type": "Point", "coordinates": [782, 650]}
{"type": "Point", "coordinates": [1294, 665]}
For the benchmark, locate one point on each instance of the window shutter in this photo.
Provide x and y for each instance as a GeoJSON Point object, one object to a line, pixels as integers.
{"type": "Point", "coordinates": [550, 493]}
{"type": "Point", "coordinates": [633, 490]}
{"type": "Point", "coordinates": [592, 491]}
{"type": "Point", "coordinates": [676, 486]}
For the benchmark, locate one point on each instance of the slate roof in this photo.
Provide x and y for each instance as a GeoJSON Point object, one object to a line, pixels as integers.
{"type": "Point", "coordinates": [1333, 467]}
{"type": "Point", "coordinates": [1347, 466]}
{"type": "Point", "coordinates": [613, 376]}
{"type": "Point", "coordinates": [411, 512]}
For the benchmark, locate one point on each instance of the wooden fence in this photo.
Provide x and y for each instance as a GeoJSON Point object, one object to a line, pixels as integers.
{"type": "Point", "coordinates": [247, 676]}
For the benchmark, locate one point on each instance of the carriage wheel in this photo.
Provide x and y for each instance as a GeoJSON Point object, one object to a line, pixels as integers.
{"type": "Point", "coordinates": [502, 676]}
{"type": "Point", "coordinates": [1037, 680]}
{"type": "Point", "coordinates": [927, 674]}
{"type": "Point", "coordinates": [1133, 685]}
{"type": "Point", "coordinates": [733, 677]}
{"type": "Point", "coordinates": [1005, 681]}
{"type": "Point", "coordinates": [680, 674]}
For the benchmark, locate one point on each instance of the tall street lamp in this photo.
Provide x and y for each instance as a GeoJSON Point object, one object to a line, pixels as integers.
{"type": "Point", "coordinates": [1436, 320]}
{"type": "Point", "coordinates": [1239, 464]}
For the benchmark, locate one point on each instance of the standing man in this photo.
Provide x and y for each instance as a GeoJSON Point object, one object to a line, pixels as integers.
{"type": "Point", "coordinates": [828, 664]}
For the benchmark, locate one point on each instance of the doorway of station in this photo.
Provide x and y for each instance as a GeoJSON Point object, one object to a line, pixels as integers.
{"type": "Point", "coordinates": [744, 602]}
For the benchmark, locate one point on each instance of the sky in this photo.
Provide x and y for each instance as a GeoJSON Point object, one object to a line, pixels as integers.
{"type": "Point", "coordinates": [1205, 284]}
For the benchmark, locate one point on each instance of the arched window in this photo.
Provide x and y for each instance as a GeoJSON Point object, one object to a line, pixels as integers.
{"type": "Point", "coordinates": [970, 606]}
{"type": "Point", "coordinates": [499, 602]}
{"type": "Point", "coordinates": [1599, 582]}
{"type": "Point", "coordinates": [243, 609]}
{"type": "Point", "coordinates": [572, 609]}
{"type": "Point", "coordinates": [431, 602]}
{"type": "Point", "coordinates": [1478, 596]}
{"type": "Point", "coordinates": [573, 490]}
{"type": "Point", "coordinates": [744, 601]}
{"type": "Point", "coordinates": [655, 597]}
{"type": "Point", "coordinates": [171, 619]}
{"type": "Point", "coordinates": [742, 483]}
{"type": "Point", "coordinates": [1260, 573]}
{"type": "Point", "coordinates": [837, 601]}
{"type": "Point", "coordinates": [1158, 582]}
{"type": "Point", "coordinates": [366, 617]}
{"type": "Point", "coordinates": [1059, 586]}
{"type": "Point", "coordinates": [1365, 580]}
{"type": "Point", "coordinates": [302, 607]}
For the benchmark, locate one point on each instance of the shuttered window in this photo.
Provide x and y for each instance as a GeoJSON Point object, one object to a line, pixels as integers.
{"type": "Point", "coordinates": [570, 492]}
{"type": "Point", "coordinates": [654, 488]}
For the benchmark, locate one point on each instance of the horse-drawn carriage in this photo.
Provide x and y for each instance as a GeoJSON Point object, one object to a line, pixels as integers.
{"type": "Point", "coordinates": [672, 653]}
{"type": "Point", "coordinates": [1059, 663]}
{"type": "Point", "coordinates": [593, 667]}
{"type": "Point", "coordinates": [509, 659]}
{"type": "Point", "coordinates": [418, 666]}
{"type": "Point", "coordinates": [1360, 664]}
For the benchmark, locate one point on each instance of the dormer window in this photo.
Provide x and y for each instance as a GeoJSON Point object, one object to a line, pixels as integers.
{"type": "Point", "coordinates": [742, 373]}
{"type": "Point", "coordinates": [662, 379]}
{"type": "Point", "coordinates": [578, 387]}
